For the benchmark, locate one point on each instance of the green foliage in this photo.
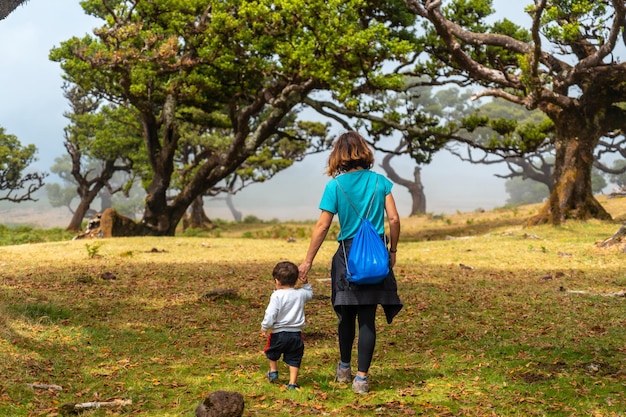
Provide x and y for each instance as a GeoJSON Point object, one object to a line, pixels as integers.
{"type": "Point", "coordinates": [60, 196]}
{"type": "Point", "coordinates": [116, 135]}
{"type": "Point", "coordinates": [41, 312]}
{"type": "Point", "coordinates": [240, 38]}
{"type": "Point", "coordinates": [93, 250]}
{"type": "Point", "coordinates": [525, 191]}
{"type": "Point", "coordinates": [470, 13]}
{"type": "Point", "coordinates": [618, 178]}
{"type": "Point", "coordinates": [279, 231]}
{"type": "Point", "coordinates": [470, 123]}
{"type": "Point", "coordinates": [598, 181]}
{"type": "Point", "coordinates": [15, 184]}
{"type": "Point", "coordinates": [565, 21]}
{"type": "Point", "coordinates": [216, 87]}
{"type": "Point", "coordinates": [508, 131]}
{"type": "Point", "coordinates": [473, 15]}
{"type": "Point", "coordinates": [18, 235]}
{"type": "Point", "coordinates": [279, 152]}
{"type": "Point", "coordinates": [104, 147]}
{"type": "Point", "coordinates": [252, 219]}
{"type": "Point", "coordinates": [14, 157]}
{"type": "Point", "coordinates": [425, 116]}
{"type": "Point", "coordinates": [533, 135]}
{"type": "Point", "coordinates": [503, 126]}
{"type": "Point", "coordinates": [561, 65]}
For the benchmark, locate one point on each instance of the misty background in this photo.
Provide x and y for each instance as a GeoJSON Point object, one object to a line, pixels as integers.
{"type": "Point", "coordinates": [32, 106]}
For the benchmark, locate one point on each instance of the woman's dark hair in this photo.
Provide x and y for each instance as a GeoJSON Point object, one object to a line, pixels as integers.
{"type": "Point", "coordinates": [349, 151]}
{"type": "Point", "coordinates": [286, 273]}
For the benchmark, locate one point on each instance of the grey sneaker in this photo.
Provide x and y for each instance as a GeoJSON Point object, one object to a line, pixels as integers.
{"type": "Point", "coordinates": [360, 387]}
{"type": "Point", "coordinates": [343, 374]}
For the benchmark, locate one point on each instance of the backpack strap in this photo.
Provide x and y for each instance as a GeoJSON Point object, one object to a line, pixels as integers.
{"type": "Point", "coordinates": [369, 207]}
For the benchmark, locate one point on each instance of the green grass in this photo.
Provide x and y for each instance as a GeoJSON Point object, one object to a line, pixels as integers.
{"type": "Point", "coordinates": [526, 327]}
{"type": "Point", "coordinates": [20, 234]}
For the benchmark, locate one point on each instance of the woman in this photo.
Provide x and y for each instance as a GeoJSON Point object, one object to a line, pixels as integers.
{"type": "Point", "coordinates": [352, 187]}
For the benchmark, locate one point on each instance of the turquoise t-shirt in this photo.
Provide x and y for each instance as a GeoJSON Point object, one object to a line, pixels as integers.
{"type": "Point", "coordinates": [359, 187]}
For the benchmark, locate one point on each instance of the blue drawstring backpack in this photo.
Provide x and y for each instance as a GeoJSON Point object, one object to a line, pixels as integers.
{"type": "Point", "coordinates": [368, 260]}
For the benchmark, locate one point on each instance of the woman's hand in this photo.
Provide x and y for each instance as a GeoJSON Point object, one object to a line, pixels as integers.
{"type": "Point", "coordinates": [392, 259]}
{"type": "Point", "coordinates": [303, 270]}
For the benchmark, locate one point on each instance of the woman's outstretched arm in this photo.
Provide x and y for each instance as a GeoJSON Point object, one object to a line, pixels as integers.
{"type": "Point", "coordinates": [319, 235]}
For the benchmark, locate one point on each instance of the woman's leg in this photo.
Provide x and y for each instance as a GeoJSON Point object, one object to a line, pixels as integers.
{"type": "Point", "coordinates": [367, 337]}
{"type": "Point", "coordinates": [346, 331]}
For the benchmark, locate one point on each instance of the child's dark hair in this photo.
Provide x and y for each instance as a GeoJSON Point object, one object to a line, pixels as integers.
{"type": "Point", "coordinates": [286, 273]}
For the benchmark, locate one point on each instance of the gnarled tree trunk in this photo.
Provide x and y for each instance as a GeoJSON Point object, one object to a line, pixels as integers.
{"type": "Point", "coordinates": [197, 218]}
{"type": "Point", "coordinates": [572, 194]}
{"type": "Point", "coordinates": [415, 187]}
{"type": "Point", "coordinates": [79, 214]}
{"type": "Point", "coordinates": [237, 215]}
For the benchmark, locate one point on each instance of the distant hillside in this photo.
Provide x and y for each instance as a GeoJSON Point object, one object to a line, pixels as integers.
{"type": "Point", "coordinates": [431, 226]}
{"type": "Point", "coordinates": [37, 214]}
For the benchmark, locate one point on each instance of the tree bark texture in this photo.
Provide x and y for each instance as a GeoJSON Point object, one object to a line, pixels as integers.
{"type": "Point", "coordinates": [79, 214]}
{"type": "Point", "coordinates": [197, 218]}
{"type": "Point", "coordinates": [237, 215]}
{"type": "Point", "coordinates": [415, 187]}
{"type": "Point", "coordinates": [88, 190]}
{"type": "Point", "coordinates": [571, 196]}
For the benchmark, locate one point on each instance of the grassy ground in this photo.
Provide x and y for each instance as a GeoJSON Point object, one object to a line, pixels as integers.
{"type": "Point", "coordinates": [499, 320]}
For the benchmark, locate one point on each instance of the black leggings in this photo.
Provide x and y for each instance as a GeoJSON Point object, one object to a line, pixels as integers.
{"type": "Point", "coordinates": [366, 315]}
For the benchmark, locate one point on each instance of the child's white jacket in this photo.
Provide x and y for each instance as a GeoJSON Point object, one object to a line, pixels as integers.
{"type": "Point", "coordinates": [285, 311]}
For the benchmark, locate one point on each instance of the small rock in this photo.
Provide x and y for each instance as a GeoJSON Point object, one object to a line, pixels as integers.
{"type": "Point", "coordinates": [221, 404]}
{"type": "Point", "coordinates": [108, 276]}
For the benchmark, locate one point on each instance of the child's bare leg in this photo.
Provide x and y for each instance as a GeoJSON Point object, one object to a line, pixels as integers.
{"type": "Point", "coordinates": [293, 374]}
{"type": "Point", "coordinates": [273, 366]}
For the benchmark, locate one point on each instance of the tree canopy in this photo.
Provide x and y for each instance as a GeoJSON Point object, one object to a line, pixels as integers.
{"type": "Point", "coordinates": [16, 184]}
{"type": "Point", "coordinates": [565, 65]}
{"type": "Point", "coordinates": [236, 66]}
{"type": "Point", "coordinates": [101, 141]}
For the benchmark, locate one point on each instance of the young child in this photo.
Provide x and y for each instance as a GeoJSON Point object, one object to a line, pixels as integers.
{"type": "Point", "coordinates": [284, 316]}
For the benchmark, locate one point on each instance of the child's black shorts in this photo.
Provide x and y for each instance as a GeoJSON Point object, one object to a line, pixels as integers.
{"type": "Point", "coordinates": [288, 344]}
